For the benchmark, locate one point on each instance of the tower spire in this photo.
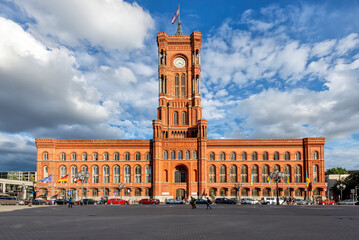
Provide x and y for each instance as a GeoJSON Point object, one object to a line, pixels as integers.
{"type": "Point", "coordinates": [179, 28]}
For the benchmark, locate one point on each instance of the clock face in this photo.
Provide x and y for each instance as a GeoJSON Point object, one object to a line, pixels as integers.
{"type": "Point", "coordinates": [179, 62]}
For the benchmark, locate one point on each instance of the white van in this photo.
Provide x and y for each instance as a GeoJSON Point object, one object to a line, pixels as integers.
{"type": "Point", "coordinates": [273, 200]}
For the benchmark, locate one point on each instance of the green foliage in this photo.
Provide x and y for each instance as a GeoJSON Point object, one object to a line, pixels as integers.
{"type": "Point", "coordinates": [337, 170]}
{"type": "Point", "coordinates": [351, 181]}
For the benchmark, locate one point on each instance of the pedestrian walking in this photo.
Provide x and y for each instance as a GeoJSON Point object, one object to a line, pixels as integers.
{"type": "Point", "coordinates": [208, 202]}
{"type": "Point", "coordinates": [70, 202]}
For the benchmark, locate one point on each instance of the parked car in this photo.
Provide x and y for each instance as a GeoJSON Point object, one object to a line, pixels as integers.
{"type": "Point", "coordinates": [174, 201]}
{"type": "Point", "coordinates": [103, 200]}
{"type": "Point", "coordinates": [148, 201]}
{"type": "Point", "coordinates": [250, 201]}
{"type": "Point", "coordinates": [303, 202]}
{"type": "Point", "coordinates": [7, 200]}
{"type": "Point", "coordinates": [224, 201]}
{"type": "Point", "coordinates": [327, 202]}
{"type": "Point", "coordinates": [61, 201]}
{"type": "Point", "coordinates": [202, 201]}
{"type": "Point", "coordinates": [349, 202]}
{"type": "Point", "coordinates": [116, 201]}
{"type": "Point", "coordinates": [87, 201]}
{"type": "Point", "coordinates": [38, 202]}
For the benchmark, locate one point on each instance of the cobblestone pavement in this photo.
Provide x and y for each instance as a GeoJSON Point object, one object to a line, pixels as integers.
{"type": "Point", "coordinates": [179, 222]}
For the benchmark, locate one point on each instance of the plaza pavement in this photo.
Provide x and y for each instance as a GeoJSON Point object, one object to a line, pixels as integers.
{"type": "Point", "coordinates": [179, 222]}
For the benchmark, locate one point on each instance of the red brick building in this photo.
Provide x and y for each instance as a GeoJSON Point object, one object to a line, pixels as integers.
{"type": "Point", "coordinates": [179, 161]}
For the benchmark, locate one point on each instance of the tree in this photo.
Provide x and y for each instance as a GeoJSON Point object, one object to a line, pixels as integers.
{"type": "Point", "coordinates": [337, 170]}
{"type": "Point", "coordinates": [350, 182]}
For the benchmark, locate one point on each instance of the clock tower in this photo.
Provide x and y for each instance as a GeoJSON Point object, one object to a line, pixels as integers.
{"type": "Point", "coordinates": [179, 120]}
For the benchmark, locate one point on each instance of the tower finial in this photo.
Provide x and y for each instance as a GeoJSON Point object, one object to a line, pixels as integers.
{"type": "Point", "coordinates": [179, 28]}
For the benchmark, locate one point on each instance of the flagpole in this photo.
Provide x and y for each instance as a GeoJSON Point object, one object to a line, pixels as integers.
{"type": "Point", "coordinates": [179, 13]}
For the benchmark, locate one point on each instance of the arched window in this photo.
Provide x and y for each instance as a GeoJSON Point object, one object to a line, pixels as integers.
{"type": "Point", "coordinates": [244, 173]}
{"type": "Point", "coordinates": [254, 156]}
{"type": "Point", "coordinates": [46, 171]}
{"type": "Point", "coordinates": [63, 171]}
{"type": "Point", "coordinates": [116, 174]}
{"type": "Point", "coordinates": [106, 174]}
{"type": "Point", "coordinates": [84, 156]}
{"type": "Point", "coordinates": [184, 118]}
{"type": "Point", "coordinates": [95, 156]}
{"type": "Point", "coordinates": [73, 173]}
{"type": "Point", "coordinates": [276, 156]}
{"type": "Point", "coordinates": [276, 168]}
{"type": "Point", "coordinates": [138, 174]}
{"type": "Point", "coordinates": [148, 172]}
{"type": "Point", "coordinates": [194, 155]}
{"type": "Point", "coordinates": [243, 156]}
{"type": "Point", "coordinates": [297, 156]}
{"type": "Point", "coordinates": [84, 169]}
{"type": "Point", "coordinates": [211, 156]}
{"type": "Point", "coordinates": [63, 156]}
{"type": "Point", "coordinates": [165, 155]}
{"type": "Point", "coordinates": [46, 156]}
{"type": "Point", "coordinates": [105, 156]}
{"type": "Point", "coordinates": [222, 156]}
{"type": "Point", "coordinates": [180, 155]}
{"type": "Point", "coordinates": [95, 174]}
{"type": "Point", "coordinates": [73, 156]}
{"type": "Point", "coordinates": [265, 156]}
{"type": "Point", "coordinates": [298, 174]}
{"type": "Point", "coordinates": [138, 156]}
{"type": "Point", "coordinates": [180, 175]}
{"type": "Point", "coordinates": [212, 174]}
{"type": "Point", "coordinates": [138, 192]}
{"type": "Point", "coordinates": [286, 156]}
{"type": "Point", "coordinates": [222, 174]}
{"type": "Point", "coordinates": [173, 155]}
{"type": "Point", "coordinates": [176, 85]}
{"type": "Point", "coordinates": [183, 85]}
{"type": "Point", "coordinates": [233, 174]}
{"type": "Point", "coordinates": [315, 155]}
{"type": "Point", "coordinates": [117, 156]}
{"type": "Point", "coordinates": [233, 156]}
{"type": "Point", "coordinates": [254, 169]}
{"type": "Point", "coordinates": [127, 174]}
{"type": "Point", "coordinates": [286, 171]}
{"type": "Point", "coordinates": [315, 173]}
{"type": "Point", "coordinates": [265, 173]}
{"type": "Point", "coordinates": [187, 155]}
{"type": "Point", "coordinates": [148, 156]}
{"type": "Point", "coordinates": [127, 156]}
{"type": "Point", "coordinates": [175, 118]}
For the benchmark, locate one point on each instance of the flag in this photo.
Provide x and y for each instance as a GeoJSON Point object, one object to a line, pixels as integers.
{"type": "Point", "coordinates": [46, 179]}
{"type": "Point", "coordinates": [252, 180]}
{"type": "Point", "coordinates": [77, 180]}
{"type": "Point", "coordinates": [288, 177]}
{"type": "Point", "coordinates": [307, 179]}
{"type": "Point", "coordinates": [63, 179]}
{"type": "Point", "coordinates": [268, 178]}
{"type": "Point", "coordinates": [174, 18]}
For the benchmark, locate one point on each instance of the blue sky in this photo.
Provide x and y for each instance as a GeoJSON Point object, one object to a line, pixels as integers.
{"type": "Point", "coordinates": [88, 69]}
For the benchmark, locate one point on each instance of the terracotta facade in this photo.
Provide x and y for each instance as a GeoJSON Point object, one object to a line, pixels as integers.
{"type": "Point", "coordinates": [179, 161]}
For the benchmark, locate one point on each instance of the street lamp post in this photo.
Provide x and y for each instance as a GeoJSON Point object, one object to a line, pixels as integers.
{"type": "Point", "coordinates": [82, 176]}
{"type": "Point", "coordinates": [238, 186]}
{"type": "Point", "coordinates": [341, 187]}
{"type": "Point", "coordinates": [121, 186]}
{"type": "Point", "coordinates": [276, 176]}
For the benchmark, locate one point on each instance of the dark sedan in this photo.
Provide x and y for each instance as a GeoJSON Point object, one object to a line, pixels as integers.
{"type": "Point", "coordinates": [61, 201]}
{"type": "Point", "coordinates": [202, 201]}
{"type": "Point", "coordinates": [224, 201]}
{"type": "Point", "coordinates": [38, 202]}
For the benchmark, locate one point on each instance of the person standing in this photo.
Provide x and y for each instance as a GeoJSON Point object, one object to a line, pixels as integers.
{"type": "Point", "coordinates": [208, 202]}
{"type": "Point", "coordinates": [70, 202]}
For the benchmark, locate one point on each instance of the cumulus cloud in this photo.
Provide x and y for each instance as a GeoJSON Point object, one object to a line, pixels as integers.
{"type": "Point", "coordinates": [41, 86]}
{"type": "Point", "coordinates": [113, 24]}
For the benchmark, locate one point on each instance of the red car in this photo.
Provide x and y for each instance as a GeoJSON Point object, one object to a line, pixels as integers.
{"type": "Point", "coordinates": [148, 201]}
{"type": "Point", "coordinates": [327, 202]}
{"type": "Point", "coordinates": [116, 201]}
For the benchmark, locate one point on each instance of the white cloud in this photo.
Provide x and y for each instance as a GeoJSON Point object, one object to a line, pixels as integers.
{"type": "Point", "coordinates": [113, 24]}
{"type": "Point", "coordinates": [41, 87]}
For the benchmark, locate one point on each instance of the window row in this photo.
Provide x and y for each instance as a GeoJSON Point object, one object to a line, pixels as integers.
{"type": "Point", "coordinates": [95, 156]}
{"type": "Point", "coordinates": [179, 155]}
{"type": "Point", "coordinates": [254, 156]}
{"type": "Point", "coordinates": [254, 176]}
{"type": "Point", "coordinates": [106, 173]}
